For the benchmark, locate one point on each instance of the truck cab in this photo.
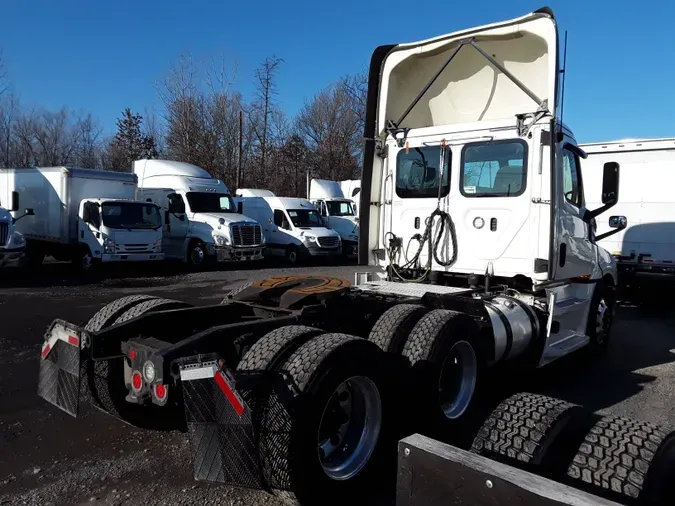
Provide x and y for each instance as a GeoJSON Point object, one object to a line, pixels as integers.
{"type": "Point", "coordinates": [293, 227]}
{"type": "Point", "coordinates": [200, 220]}
{"type": "Point", "coordinates": [470, 174]}
{"type": "Point", "coordinates": [337, 211]}
{"type": "Point", "coordinates": [12, 242]}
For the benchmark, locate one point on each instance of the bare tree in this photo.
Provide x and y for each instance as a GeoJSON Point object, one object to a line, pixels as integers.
{"type": "Point", "coordinates": [4, 81]}
{"type": "Point", "coordinates": [264, 105]}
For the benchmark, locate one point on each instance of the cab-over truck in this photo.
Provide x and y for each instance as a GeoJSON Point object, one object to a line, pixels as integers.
{"type": "Point", "coordinates": [476, 253]}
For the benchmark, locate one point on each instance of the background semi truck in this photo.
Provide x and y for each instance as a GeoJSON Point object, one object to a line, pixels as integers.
{"type": "Point", "coordinates": [477, 254]}
{"type": "Point", "coordinates": [12, 242]}
{"type": "Point", "coordinates": [647, 204]}
{"type": "Point", "coordinates": [337, 211]}
{"type": "Point", "coordinates": [83, 216]}
{"type": "Point", "coordinates": [201, 222]}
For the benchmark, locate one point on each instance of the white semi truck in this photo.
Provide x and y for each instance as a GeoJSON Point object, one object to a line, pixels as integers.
{"type": "Point", "coordinates": [647, 244]}
{"type": "Point", "coordinates": [337, 212]}
{"type": "Point", "coordinates": [84, 216]}
{"type": "Point", "coordinates": [12, 242]}
{"type": "Point", "coordinates": [201, 222]}
{"type": "Point", "coordinates": [476, 252]}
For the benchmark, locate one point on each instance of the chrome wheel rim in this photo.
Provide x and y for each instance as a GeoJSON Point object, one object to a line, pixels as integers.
{"type": "Point", "coordinates": [457, 382]}
{"type": "Point", "coordinates": [197, 255]}
{"type": "Point", "coordinates": [603, 322]}
{"type": "Point", "coordinates": [349, 428]}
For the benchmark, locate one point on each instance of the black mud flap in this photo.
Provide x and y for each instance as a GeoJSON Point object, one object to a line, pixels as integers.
{"type": "Point", "coordinates": [60, 374]}
{"type": "Point", "coordinates": [235, 428]}
{"type": "Point", "coordinates": [431, 473]}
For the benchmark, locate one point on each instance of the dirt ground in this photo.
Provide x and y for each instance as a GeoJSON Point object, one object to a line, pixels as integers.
{"type": "Point", "coordinates": [47, 457]}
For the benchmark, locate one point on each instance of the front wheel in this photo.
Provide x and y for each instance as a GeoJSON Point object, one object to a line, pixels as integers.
{"type": "Point", "coordinates": [292, 255]}
{"type": "Point", "coordinates": [600, 319]}
{"type": "Point", "coordinates": [85, 261]}
{"type": "Point", "coordinates": [197, 254]}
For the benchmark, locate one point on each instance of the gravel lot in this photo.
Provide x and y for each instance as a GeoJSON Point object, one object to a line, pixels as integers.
{"type": "Point", "coordinates": [47, 457]}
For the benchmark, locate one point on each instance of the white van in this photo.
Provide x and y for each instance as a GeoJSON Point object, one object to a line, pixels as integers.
{"type": "Point", "coordinates": [646, 202]}
{"type": "Point", "coordinates": [292, 226]}
{"type": "Point", "coordinates": [337, 211]}
{"type": "Point", "coordinates": [200, 220]}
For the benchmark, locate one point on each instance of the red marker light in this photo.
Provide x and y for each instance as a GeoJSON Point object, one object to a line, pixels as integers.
{"type": "Point", "coordinates": [132, 354]}
{"type": "Point", "coordinates": [136, 380]}
{"type": "Point", "coordinates": [160, 392]}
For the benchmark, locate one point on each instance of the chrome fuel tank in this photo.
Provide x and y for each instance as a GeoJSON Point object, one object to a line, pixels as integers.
{"type": "Point", "coordinates": [514, 324]}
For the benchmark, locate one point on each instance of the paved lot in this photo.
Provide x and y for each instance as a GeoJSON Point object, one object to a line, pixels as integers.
{"type": "Point", "coordinates": [47, 457]}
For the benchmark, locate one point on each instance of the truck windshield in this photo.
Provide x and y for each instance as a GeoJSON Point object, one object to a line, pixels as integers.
{"type": "Point", "coordinates": [305, 218]}
{"type": "Point", "coordinates": [337, 208]}
{"type": "Point", "coordinates": [201, 202]}
{"type": "Point", "coordinates": [130, 215]}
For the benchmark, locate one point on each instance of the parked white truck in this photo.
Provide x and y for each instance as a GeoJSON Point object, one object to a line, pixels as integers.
{"type": "Point", "coordinates": [476, 234]}
{"type": "Point", "coordinates": [12, 242]}
{"type": "Point", "coordinates": [647, 203]}
{"type": "Point", "coordinates": [84, 216]}
{"type": "Point", "coordinates": [201, 222]}
{"type": "Point", "coordinates": [292, 227]}
{"type": "Point", "coordinates": [337, 212]}
{"type": "Point", "coordinates": [350, 189]}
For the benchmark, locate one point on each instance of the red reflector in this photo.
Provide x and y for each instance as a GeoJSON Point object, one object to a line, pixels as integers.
{"type": "Point", "coordinates": [132, 354]}
{"type": "Point", "coordinates": [45, 351]}
{"type": "Point", "coordinates": [160, 392]}
{"type": "Point", "coordinates": [136, 380]}
{"type": "Point", "coordinates": [73, 340]}
{"type": "Point", "coordinates": [229, 393]}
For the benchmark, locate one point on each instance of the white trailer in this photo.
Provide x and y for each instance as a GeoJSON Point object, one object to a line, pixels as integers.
{"type": "Point", "coordinates": [83, 215]}
{"type": "Point", "coordinates": [647, 202]}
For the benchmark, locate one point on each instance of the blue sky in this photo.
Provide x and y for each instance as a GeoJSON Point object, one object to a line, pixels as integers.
{"type": "Point", "coordinates": [104, 55]}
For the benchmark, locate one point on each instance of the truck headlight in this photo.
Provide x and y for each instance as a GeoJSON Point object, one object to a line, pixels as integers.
{"type": "Point", "coordinates": [157, 246]}
{"type": "Point", "coordinates": [309, 238]}
{"type": "Point", "coordinates": [16, 240]}
{"type": "Point", "coordinates": [353, 237]}
{"type": "Point", "coordinates": [108, 245]}
{"type": "Point", "coordinates": [220, 240]}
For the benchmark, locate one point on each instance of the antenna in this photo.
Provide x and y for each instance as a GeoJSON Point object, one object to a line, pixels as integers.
{"type": "Point", "coordinates": [564, 74]}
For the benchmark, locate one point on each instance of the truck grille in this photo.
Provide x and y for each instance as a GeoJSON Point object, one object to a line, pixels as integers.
{"type": "Point", "coordinates": [246, 235]}
{"type": "Point", "coordinates": [327, 242]}
{"type": "Point", "coordinates": [132, 248]}
{"type": "Point", "coordinates": [4, 233]}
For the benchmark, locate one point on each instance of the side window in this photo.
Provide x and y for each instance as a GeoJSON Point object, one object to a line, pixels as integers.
{"type": "Point", "coordinates": [571, 180]}
{"type": "Point", "coordinates": [494, 169]}
{"type": "Point", "coordinates": [417, 172]}
{"type": "Point", "coordinates": [176, 204]}
{"type": "Point", "coordinates": [280, 219]}
{"type": "Point", "coordinates": [91, 214]}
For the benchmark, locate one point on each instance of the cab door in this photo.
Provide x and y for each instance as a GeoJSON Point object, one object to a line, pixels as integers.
{"type": "Point", "coordinates": [575, 255]}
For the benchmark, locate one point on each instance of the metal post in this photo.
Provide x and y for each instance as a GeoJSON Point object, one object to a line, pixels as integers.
{"type": "Point", "coordinates": [241, 148]}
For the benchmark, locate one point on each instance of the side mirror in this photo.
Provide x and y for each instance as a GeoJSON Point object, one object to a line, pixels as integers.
{"type": "Point", "coordinates": [15, 201]}
{"type": "Point", "coordinates": [610, 183]}
{"type": "Point", "coordinates": [26, 212]}
{"type": "Point", "coordinates": [618, 223]}
{"type": "Point", "coordinates": [610, 191]}
{"type": "Point", "coordinates": [240, 207]}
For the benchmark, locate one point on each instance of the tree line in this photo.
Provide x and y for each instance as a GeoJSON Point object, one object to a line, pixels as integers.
{"type": "Point", "coordinates": [206, 121]}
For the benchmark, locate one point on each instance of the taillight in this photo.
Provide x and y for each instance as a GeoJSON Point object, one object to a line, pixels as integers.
{"type": "Point", "coordinates": [136, 380]}
{"type": "Point", "coordinates": [160, 392]}
{"type": "Point", "coordinates": [132, 354]}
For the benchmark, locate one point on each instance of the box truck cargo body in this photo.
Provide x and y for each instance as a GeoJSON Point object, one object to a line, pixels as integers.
{"type": "Point", "coordinates": [83, 215]}
{"type": "Point", "coordinates": [646, 202]}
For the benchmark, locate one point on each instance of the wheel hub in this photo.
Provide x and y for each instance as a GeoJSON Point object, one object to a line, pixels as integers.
{"type": "Point", "coordinates": [457, 382]}
{"type": "Point", "coordinates": [197, 255]}
{"type": "Point", "coordinates": [349, 428]}
{"type": "Point", "coordinates": [603, 321]}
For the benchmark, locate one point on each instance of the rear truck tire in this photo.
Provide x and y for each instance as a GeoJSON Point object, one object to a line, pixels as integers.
{"type": "Point", "coordinates": [337, 436]}
{"type": "Point", "coordinates": [529, 431]}
{"type": "Point", "coordinates": [600, 319]}
{"type": "Point", "coordinates": [107, 315]}
{"type": "Point", "coordinates": [275, 347]}
{"type": "Point", "coordinates": [617, 460]}
{"type": "Point", "coordinates": [392, 329]}
{"type": "Point", "coordinates": [446, 371]}
{"type": "Point", "coordinates": [107, 386]}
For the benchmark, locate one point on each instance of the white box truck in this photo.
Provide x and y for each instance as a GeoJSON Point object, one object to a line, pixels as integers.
{"type": "Point", "coordinates": [12, 242]}
{"type": "Point", "coordinates": [84, 216]}
{"type": "Point", "coordinates": [337, 212]}
{"type": "Point", "coordinates": [292, 226]}
{"type": "Point", "coordinates": [201, 223]}
{"type": "Point", "coordinates": [351, 188]}
{"type": "Point", "coordinates": [647, 203]}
